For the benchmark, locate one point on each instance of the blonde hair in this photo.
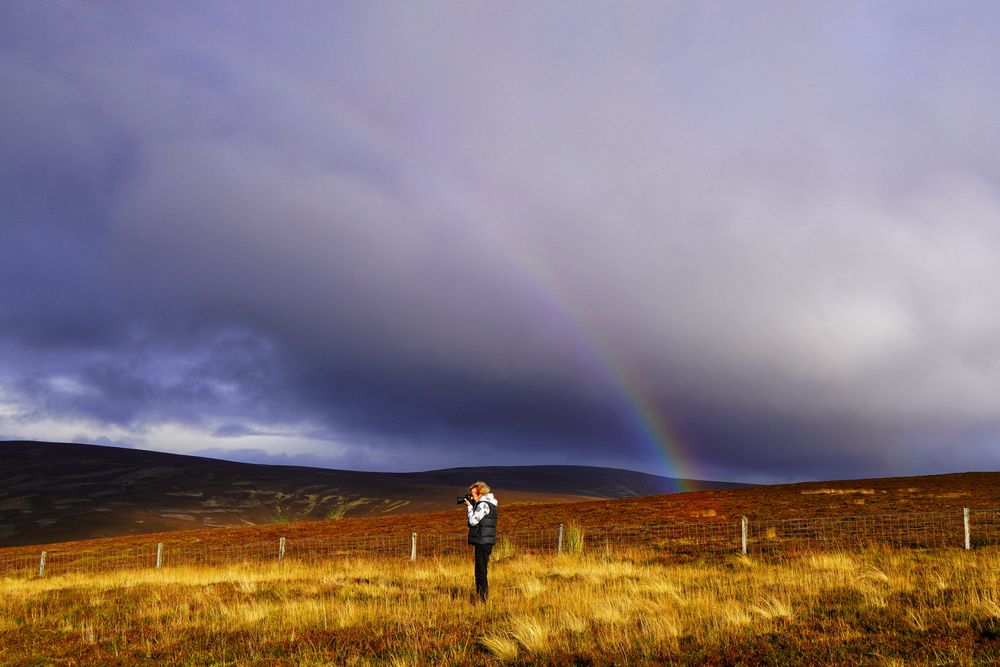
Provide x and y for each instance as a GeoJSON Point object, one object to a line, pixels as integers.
{"type": "Point", "coordinates": [482, 486]}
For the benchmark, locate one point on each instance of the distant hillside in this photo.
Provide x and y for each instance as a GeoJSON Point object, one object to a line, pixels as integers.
{"type": "Point", "coordinates": [894, 497]}
{"type": "Point", "coordinates": [53, 492]}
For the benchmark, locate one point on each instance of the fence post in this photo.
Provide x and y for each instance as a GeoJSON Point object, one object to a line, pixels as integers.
{"type": "Point", "coordinates": [744, 524]}
{"type": "Point", "coordinates": [413, 546]}
{"type": "Point", "coordinates": [159, 555]}
{"type": "Point", "coordinates": [965, 524]}
{"type": "Point", "coordinates": [41, 565]}
{"type": "Point", "coordinates": [559, 541]}
{"type": "Point", "coordinates": [281, 549]}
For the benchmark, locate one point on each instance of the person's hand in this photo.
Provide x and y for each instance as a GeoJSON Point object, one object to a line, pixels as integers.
{"type": "Point", "coordinates": [467, 503]}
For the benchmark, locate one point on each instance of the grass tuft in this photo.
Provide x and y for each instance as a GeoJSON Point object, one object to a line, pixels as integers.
{"type": "Point", "coordinates": [502, 646]}
{"type": "Point", "coordinates": [531, 632]}
{"type": "Point", "coordinates": [772, 608]}
{"type": "Point", "coordinates": [574, 539]}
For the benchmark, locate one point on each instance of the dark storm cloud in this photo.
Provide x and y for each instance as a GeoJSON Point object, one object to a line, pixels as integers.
{"type": "Point", "coordinates": [143, 381]}
{"type": "Point", "coordinates": [398, 238]}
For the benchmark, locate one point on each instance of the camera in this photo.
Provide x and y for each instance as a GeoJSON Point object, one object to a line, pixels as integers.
{"type": "Point", "coordinates": [461, 499]}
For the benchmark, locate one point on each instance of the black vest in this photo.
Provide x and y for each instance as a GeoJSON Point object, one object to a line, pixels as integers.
{"type": "Point", "coordinates": [484, 532]}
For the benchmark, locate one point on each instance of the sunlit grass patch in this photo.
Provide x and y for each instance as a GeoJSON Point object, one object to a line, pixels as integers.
{"type": "Point", "coordinates": [573, 539]}
{"type": "Point", "coordinates": [503, 647]}
{"type": "Point", "coordinates": [772, 607]}
{"type": "Point", "coordinates": [839, 492]}
{"type": "Point", "coordinates": [835, 560]}
{"type": "Point", "coordinates": [533, 632]}
{"type": "Point", "coordinates": [543, 610]}
{"type": "Point", "coordinates": [530, 587]}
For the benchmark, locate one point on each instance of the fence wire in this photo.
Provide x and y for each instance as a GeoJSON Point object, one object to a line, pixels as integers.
{"type": "Point", "coordinates": [248, 553]}
{"type": "Point", "coordinates": [764, 537]}
{"type": "Point", "coordinates": [98, 560]}
{"type": "Point", "coordinates": [672, 538]}
{"type": "Point", "coordinates": [314, 549]}
{"type": "Point", "coordinates": [902, 531]}
{"type": "Point", "coordinates": [984, 528]}
{"type": "Point", "coordinates": [19, 566]}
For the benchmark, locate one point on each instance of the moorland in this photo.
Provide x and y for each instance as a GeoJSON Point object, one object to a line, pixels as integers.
{"type": "Point", "coordinates": [900, 496]}
{"type": "Point", "coordinates": [633, 605]}
{"type": "Point", "coordinates": [876, 607]}
{"type": "Point", "coordinates": [53, 492]}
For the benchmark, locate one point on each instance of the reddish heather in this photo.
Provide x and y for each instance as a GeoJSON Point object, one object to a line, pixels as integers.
{"type": "Point", "coordinates": [901, 495]}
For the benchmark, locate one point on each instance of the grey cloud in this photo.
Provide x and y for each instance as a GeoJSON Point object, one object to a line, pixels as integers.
{"type": "Point", "coordinates": [234, 431]}
{"type": "Point", "coordinates": [228, 374]}
{"type": "Point", "coordinates": [102, 440]}
{"type": "Point", "coordinates": [255, 455]}
{"type": "Point", "coordinates": [464, 225]}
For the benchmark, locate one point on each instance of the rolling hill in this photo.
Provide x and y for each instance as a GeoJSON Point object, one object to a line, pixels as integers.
{"type": "Point", "coordinates": [910, 497]}
{"type": "Point", "coordinates": [55, 492]}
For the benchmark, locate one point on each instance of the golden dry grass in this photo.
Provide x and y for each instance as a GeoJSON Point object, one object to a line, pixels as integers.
{"type": "Point", "coordinates": [876, 607]}
{"type": "Point", "coordinates": [839, 492]}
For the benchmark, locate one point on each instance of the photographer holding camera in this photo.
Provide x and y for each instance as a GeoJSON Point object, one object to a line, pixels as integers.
{"type": "Point", "coordinates": [482, 510]}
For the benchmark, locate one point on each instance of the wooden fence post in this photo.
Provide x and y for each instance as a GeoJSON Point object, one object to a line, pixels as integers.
{"type": "Point", "coordinates": [159, 555]}
{"type": "Point", "coordinates": [965, 524]}
{"type": "Point", "coordinates": [744, 524]}
{"type": "Point", "coordinates": [41, 565]}
{"type": "Point", "coordinates": [413, 546]}
{"type": "Point", "coordinates": [559, 541]}
{"type": "Point", "coordinates": [281, 549]}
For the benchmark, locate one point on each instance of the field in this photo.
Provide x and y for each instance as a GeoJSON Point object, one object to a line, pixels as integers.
{"type": "Point", "coordinates": [906, 496]}
{"type": "Point", "coordinates": [608, 604]}
{"type": "Point", "coordinates": [875, 607]}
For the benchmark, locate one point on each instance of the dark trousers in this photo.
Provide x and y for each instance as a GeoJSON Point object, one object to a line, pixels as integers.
{"type": "Point", "coordinates": [482, 566]}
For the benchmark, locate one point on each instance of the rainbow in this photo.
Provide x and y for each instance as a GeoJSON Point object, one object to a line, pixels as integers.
{"type": "Point", "coordinates": [645, 420]}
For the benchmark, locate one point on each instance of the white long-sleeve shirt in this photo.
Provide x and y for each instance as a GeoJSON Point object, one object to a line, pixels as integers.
{"type": "Point", "coordinates": [478, 510]}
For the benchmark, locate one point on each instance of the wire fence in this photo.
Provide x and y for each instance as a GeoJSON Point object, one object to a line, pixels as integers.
{"type": "Point", "coordinates": [984, 528]}
{"type": "Point", "coordinates": [915, 531]}
{"type": "Point", "coordinates": [669, 538]}
{"type": "Point", "coordinates": [769, 538]}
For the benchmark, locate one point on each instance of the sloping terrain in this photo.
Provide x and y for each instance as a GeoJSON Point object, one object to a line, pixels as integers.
{"type": "Point", "coordinates": [223, 596]}
{"type": "Point", "coordinates": [884, 496]}
{"type": "Point", "coordinates": [54, 492]}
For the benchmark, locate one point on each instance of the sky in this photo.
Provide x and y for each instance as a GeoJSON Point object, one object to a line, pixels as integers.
{"type": "Point", "coordinates": [742, 241]}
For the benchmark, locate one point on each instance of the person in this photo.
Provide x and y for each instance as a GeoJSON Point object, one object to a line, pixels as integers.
{"type": "Point", "coordinates": [483, 515]}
